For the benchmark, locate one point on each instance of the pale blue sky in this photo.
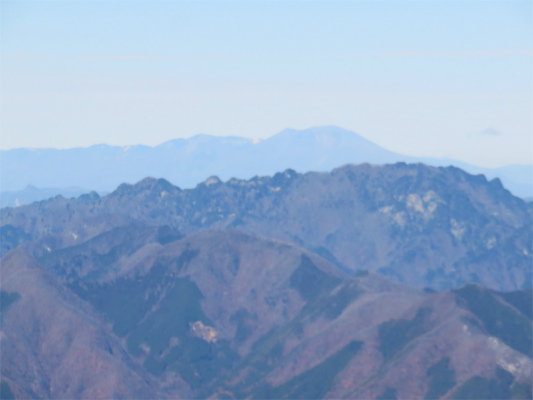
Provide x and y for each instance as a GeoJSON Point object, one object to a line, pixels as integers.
{"type": "Point", "coordinates": [416, 77]}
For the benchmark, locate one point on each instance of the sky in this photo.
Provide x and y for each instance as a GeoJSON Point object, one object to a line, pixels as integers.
{"type": "Point", "coordinates": [423, 78]}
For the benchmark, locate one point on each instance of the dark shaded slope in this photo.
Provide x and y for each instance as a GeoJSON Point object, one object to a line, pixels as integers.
{"type": "Point", "coordinates": [54, 346]}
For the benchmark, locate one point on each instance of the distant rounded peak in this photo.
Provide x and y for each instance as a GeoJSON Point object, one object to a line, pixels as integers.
{"type": "Point", "coordinates": [172, 143]}
{"type": "Point", "coordinates": [212, 180]}
{"type": "Point", "coordinates": [142, 184]}
{"type": "Point", "coordinates": [289, 173]}
{"type": "Point", "coordinates": [354, 167]}
{"type": "Point", "coordinates": [123, 187]}
{"type": "Point", "coordinates": [201, 137]}
{"type": "Point", "coordinates": [146, 183]}
{"type": "Point", "coordinates": [409, 168]}
{"type": "Point", "coordinates": [147, 180]}
{"type": "Point", "coordinates": [328, 137]}
{"type": "Point", "coordinates": [89, 197]}
{"type": "Point", "coordinates": [284, 178]}
{"type": "Point", "coordinates": [160, 184]}
{"type": "Point", "coordinates": [134, 147]}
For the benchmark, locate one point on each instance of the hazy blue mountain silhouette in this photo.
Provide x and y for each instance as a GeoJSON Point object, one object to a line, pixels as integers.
{"type": "Point", "coordinates": [186, 162]}
{"type": "Point", "coordinates": [31, 193]}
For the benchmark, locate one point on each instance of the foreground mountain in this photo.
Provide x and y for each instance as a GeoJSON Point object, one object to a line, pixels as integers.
{"type": "Point", "coordinates": [420, 225]}
{"type": "Point", "coordinates": [186, 162]}
{"type": "Point", "coordinates": [55, 346]}
{"type": "Point", "coordinates": [226, 314]}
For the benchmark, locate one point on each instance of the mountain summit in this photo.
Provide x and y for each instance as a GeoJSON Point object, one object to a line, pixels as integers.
{"type": "Point", "coordinates": [186, 162]}
{"type": "Point", "coordinates": [424, 226]}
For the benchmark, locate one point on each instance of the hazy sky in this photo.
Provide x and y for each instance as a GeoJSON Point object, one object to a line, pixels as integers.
{"type": "Point", "coordinates": [434, 78]}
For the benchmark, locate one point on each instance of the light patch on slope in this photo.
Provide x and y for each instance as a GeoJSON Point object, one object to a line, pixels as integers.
{"type": "Point", "coordinates": [208, 333]}
{"type": "Point", "coordinates": [509, 359]}
{"type": "Point", "coordinates": [145, 348]}
{"type": "Point", "coordinates": [457, 229]}
{"type": "Point", "coordinates": [211, 181]}
{"type": "Point", "coordinates": [415, 202]}
{"type": "Point", "coordinates": [74, 235]}
{"type": "Point", "coordinates": [399, 218]}
{"type": "Point", "coordinates": [425, 204]}
{"type": "Point", "coordinates": [490, 243]}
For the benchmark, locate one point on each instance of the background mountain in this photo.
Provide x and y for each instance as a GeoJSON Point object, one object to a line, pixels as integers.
{"type": "Point", "coordinates": [424, 226]}
{"type": "Point", "coordinates": [31, 193]}
{"type": "Point", "coordinates": [186, 162]}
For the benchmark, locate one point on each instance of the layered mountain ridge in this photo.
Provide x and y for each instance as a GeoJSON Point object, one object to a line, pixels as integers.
{"type": "Point", "coordinates": [317, 285]}
{"type": "Point", "coordinates": [201, 317]}
{"type": "Point", "coordinates": [395, 219]}
{"type": "Point", "coordinates": [186, 162]}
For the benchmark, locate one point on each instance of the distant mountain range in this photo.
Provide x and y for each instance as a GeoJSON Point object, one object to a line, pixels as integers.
{"type": "Point", "coordinates": [31, 193]}
{"type": "Point", "coordinates": [186, 162]}
{"type": "Point", "coordinates": [291, 286]}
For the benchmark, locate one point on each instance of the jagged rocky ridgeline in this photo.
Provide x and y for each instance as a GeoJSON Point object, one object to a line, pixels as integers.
{"type": "Point", "coordinates": [424, 226]}
{"type": "Point", "coordinates": [320, 285]}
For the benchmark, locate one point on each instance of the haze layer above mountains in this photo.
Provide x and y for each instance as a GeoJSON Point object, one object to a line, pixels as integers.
{"type": "Point", "coordinates": [316, 285]}
{"type": "Point", "coordinates": [186, 162]}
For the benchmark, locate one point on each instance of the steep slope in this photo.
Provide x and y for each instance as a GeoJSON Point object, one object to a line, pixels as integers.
{"type": "Point", "coordinates": [54, 346]}
{"type": "Point", "coordinates": [222, 313]}
{"type": "Point", "coordinates": [425, 226]}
